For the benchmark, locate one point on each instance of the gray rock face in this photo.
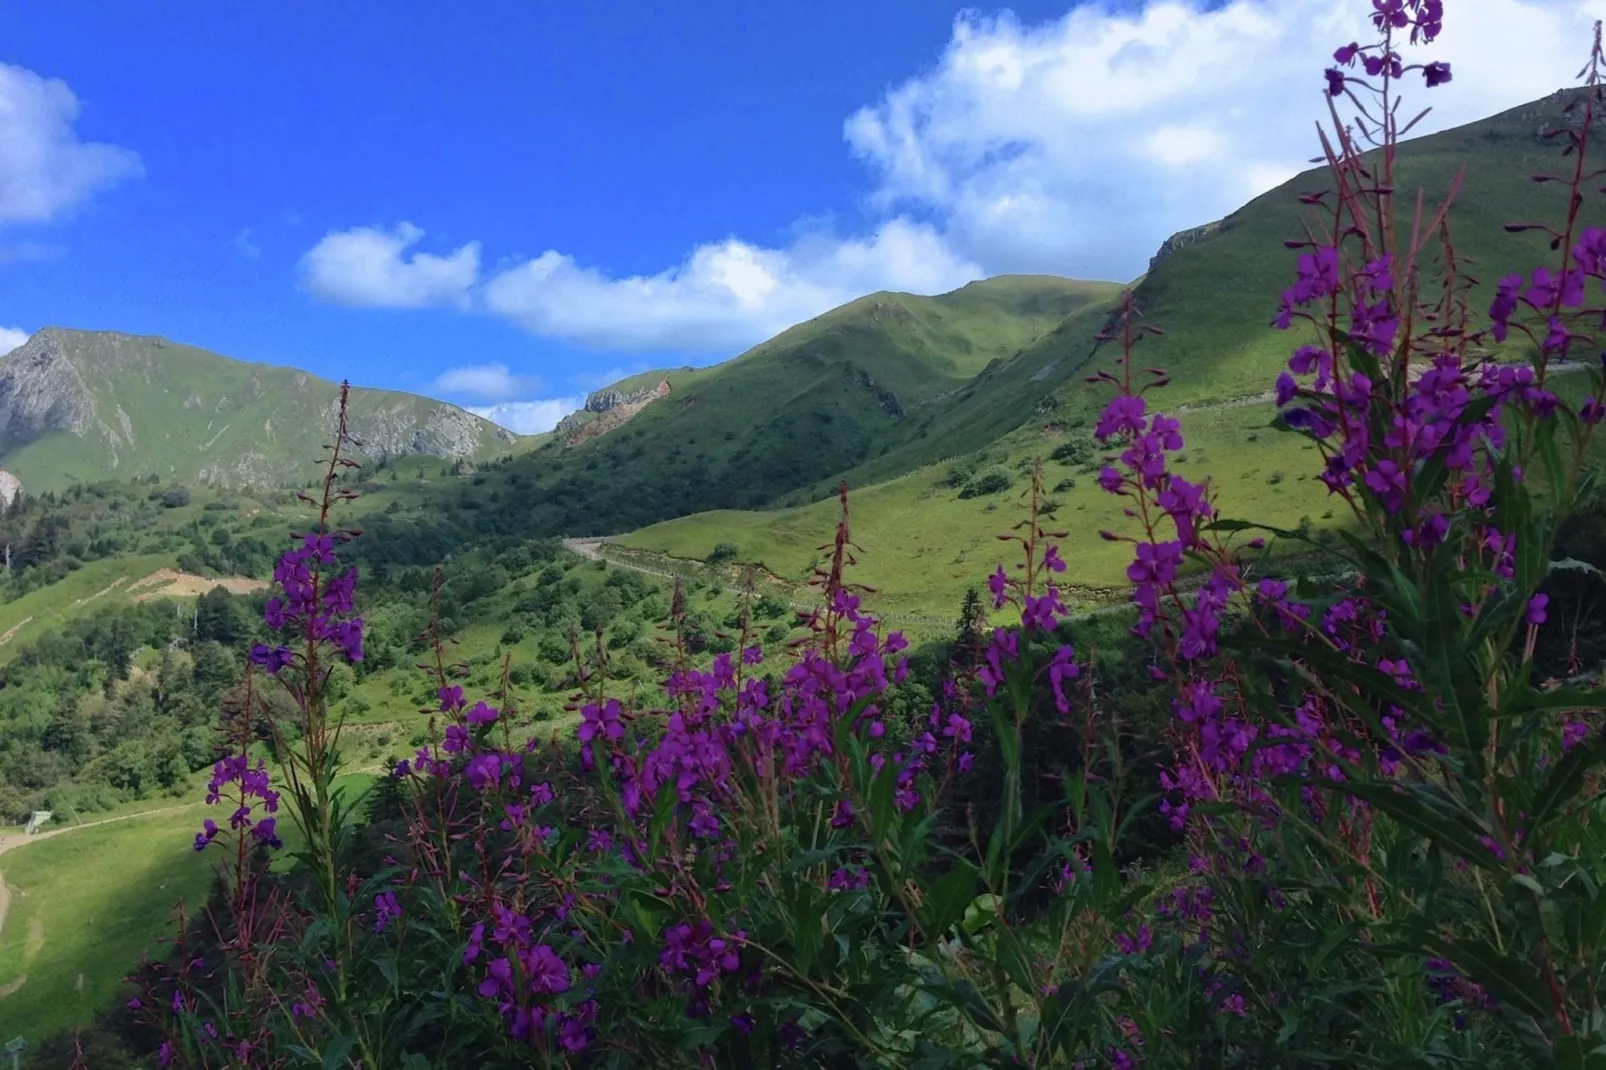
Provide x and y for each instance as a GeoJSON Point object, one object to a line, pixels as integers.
{"type": "Point", "coordinates": [606, 409]}
{"type": "Point", "coordinates": [10, 487]}
{"type": "Point", "coordinates": [42, 390]}
{"type": "Point", "coordinates": [1182, 238]}
{"type": "Point", "coordinates": [604, 400]}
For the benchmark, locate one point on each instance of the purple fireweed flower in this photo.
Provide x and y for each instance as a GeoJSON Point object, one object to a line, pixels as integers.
{"type": "Point", "coordinates": [386, 910]}
{"type": "Point", "coordinates": [1002, 649]}
{"type": "Point", "coordinates": [1138, 942]}
{"type": "Point", "coordinates": [272, 659]}
{"type": "Point", "coordinates": [265, 833]}
{"type": "Point", "coordinates": [1436, 74]}
{"type": "Point", "coordinates": [545, 971]}
{"type": "Point", "coordinates": [208, 833]}
{"type": "Point", "coordinates": [484, 771]}
{"type": "Point", "coordinates": [456, 740]}
{"type": "Point", "coordinates": [998, 584]}
{"type": "Point", "coordinates": [1124, 415]}
{"type": "Point", "coordinates": [601, 721]}
{"type": "Point", "coordinates": [957, 728]}
{"type": "Point", "coordinates": [1287, 389]}
{"type": "Point", "coordinates": [482, 714]}
{"type": "Point", "coordinates": [1503, 305]}
{"type": "Point", "coordinates": [1042, 613]}
{"type": "Point", "coordinates": [1535, 614]}
{"type": "Point", "coordinates": [1062, 668]}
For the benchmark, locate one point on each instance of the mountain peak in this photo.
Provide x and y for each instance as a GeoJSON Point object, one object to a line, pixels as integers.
{"type": "Point", "coordinates": [77, 405]}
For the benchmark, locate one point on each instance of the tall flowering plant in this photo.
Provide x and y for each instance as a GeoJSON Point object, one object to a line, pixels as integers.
{"type": "Point", "coordinates": [1388, 853]}
{"type": "Point", "coordinates": [290, 971]}
{"type": "Point", "coordinates": [1366, 767]}
{"type": "Point", "coordinates": [748, 875]}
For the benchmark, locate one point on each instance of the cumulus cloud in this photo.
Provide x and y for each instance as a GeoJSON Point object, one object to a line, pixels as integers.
{"type": "Point", "coordinates": [45, 169]}
{"type": "Point", "coordinates": [11, 338]}
{"type": "Point", "coordinates": [726, 295]}
{"type": "Point", "coordinates": [371, 267]}
{"type": "Point", "coordinates": [529, 417]}
{"type": "Point", "coordinates": [1072, 146]}
{"type": "Point", "coordinates": [488, 382]}
{"type": "Point", "coordinates": [1077, 145]}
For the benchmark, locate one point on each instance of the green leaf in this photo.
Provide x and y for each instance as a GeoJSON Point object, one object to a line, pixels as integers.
{"type": "Point", "coordinates": [336, 1054]}
{"type": "Point", "coordinates": [1339, 936]}
{"type": "Point", "coordinates": [1410, 807]}
{"type": "Point", "coordinates": [1507, 977]}
{"type": "Point", "coordinates": [948, 897]}
{"type": "Point", "coordinates": [1565, 779]}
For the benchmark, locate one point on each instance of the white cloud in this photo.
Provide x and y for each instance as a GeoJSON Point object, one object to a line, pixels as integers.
{"type": "Point", "coordinates": [1073, 146]}
{"type": "Point", "coordinates": [490, 382]}
{"type": "Point", "coordinates": [11, 338]}
{"type": "Point", "coordinates": [529, 417]}
{"type": "Point", "coordinates": [44, 168]}
{"type": "Point", "coordinates": [1077, 145]}
{"type": "Point", "coordinates": [245, 246]}
{"type": "Point", "coordinates": [727, 295]}
{"type": "Point", "coordinates": [369, 267]}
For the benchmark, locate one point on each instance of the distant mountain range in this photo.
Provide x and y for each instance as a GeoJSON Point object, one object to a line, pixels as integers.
{"type": "Point", "coordinates": [869, 392]}
{"type": "Point", "coordinates": [78, 406]}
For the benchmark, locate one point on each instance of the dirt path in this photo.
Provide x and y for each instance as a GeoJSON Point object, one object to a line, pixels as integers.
{"type": "Point", "coordinates": [18, 839]}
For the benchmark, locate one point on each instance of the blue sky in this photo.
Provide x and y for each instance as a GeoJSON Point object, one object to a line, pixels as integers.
{"type": "Point", "coordinates": [513, 206]}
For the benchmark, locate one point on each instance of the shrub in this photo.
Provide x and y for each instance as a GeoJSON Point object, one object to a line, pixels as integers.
{"type": "Point", "coordinates": [1074, 451]}
{"type": "Point", "coordinates": [988, 481]}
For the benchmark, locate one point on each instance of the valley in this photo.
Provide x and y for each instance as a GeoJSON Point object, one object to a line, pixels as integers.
{"type": "Point", "coordinates": [157, 485]}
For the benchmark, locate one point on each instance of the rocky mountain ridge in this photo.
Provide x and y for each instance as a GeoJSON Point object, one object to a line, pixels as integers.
{"type": "Point", "coordinates": [90, 404]}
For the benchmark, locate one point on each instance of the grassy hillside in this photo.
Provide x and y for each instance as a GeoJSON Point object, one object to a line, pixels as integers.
{"type": "Point", "coordinates": [1214, 298]}
{"type": "Point", "coordinates": [79, 406]}
{"type": "Point", "coordinates": [924, 542]}
{"type": "Point", "coordinates": [822, 397]}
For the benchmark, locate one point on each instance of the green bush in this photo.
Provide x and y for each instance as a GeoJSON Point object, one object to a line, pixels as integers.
{"type": "Point", "coordinates": [990, 481]}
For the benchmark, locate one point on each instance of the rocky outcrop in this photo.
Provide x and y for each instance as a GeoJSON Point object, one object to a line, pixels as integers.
{"type": "Point", "coordinates": [42, 390]}
{"type": "Point", "coordinates": [1180, 239]}
{"type": "Point", "coordinates": [606, 410]}
{"type": "Point", "coordinates": [608, 400]}
{"type": "Point", "coordinates": [10, 487]}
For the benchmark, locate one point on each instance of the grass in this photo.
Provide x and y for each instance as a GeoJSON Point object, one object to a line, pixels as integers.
{"type": "Point", "coordinates": [89, 589]}
{"type": "Point", "coordinates": [923, 544]}
{"type": "Point", "coordinates": [85, 905]}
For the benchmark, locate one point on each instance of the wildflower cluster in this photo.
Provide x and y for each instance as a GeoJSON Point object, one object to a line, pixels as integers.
{"type": "Point", "coordinates": [763, 866]}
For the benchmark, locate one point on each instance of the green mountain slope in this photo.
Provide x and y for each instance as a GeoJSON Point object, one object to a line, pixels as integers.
{"type": "Point", "coordinates": [825, 396]}
{"type": "Point", "coordinates": [79, 406]}
{"type": "Point", "coordinates": [1214, 296]}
